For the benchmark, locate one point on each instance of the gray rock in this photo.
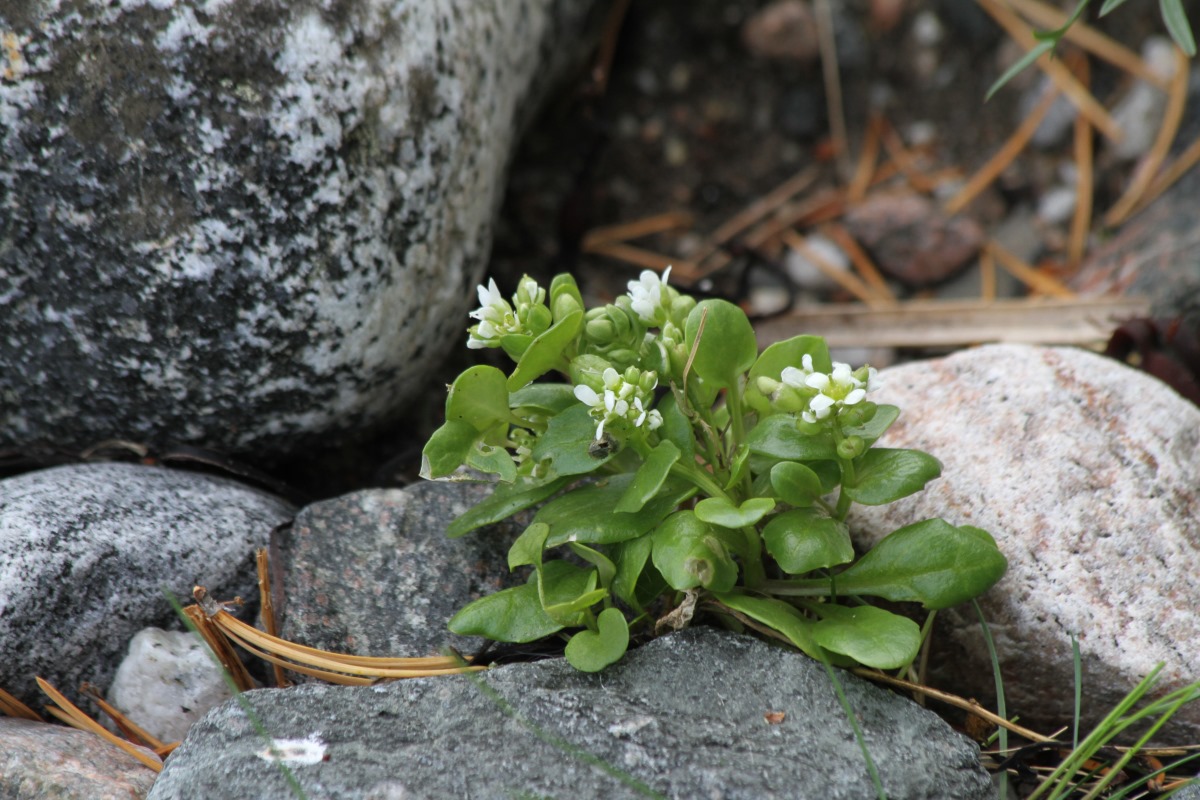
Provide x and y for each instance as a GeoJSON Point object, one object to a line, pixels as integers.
{"type": "Point", "coordinates": [372, 573]}
{"type": "Point", "coordinates": [683, 715]}
{"type": "Point", "coordinates": [86, 552]}
{"type": "Point", "coordinates": [243, 225]}
{"type": "Point", "coordinates": [1086, 472]}
{"type": "Point", "coordinates": [167, 682]}
{"type": "Point", "coordinates": [54, 762]}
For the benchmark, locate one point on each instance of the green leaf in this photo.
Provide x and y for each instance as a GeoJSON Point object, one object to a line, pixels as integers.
{"type": "Point", "coordinates": [677, 428]}
{"type": "Point", "coordinates": [871, 636]}
{"type": "Point", "coordinates": [567, 591]}
{"type": "Point", "coordinates": [1175, 18]}
{"type": "Point", "coordinates": [564, 296]}
{"type": "Point", "coordinates": [586, 514]}
{"type": "Point", "coordinates": [737, 469]}
{"type": "Point", "coordinates": [778, 615]}
{"type": "Point", "coordinates": [527, 549]}
{"type": "Point", "coordinates": [605, 569]}
{"type": "Point", "coordinates": [447, 449]}
{"type": "Point", "coordinates": [690, 553]}
{"type": "Point", "coordinates": [545, 398]}
{"type": "Point", "coordinates": [1033, 55]}
{"type": "Point", "coordinates": [496, 460]}
{"type": "Point", "coordinates": [885, 475]}
{"type": "Point", "coordinates": [592, 651]}
{"type": "Point", "coordinates": [930, 562]}
{"type": "Point", "coordinates": [506, 500]}
{"type": "Point", "coordinates": [478, 397]}
{"type": "Point", "coordinates": [727, 345]}
{"type": "Point", "coordinates": [632, 556]}
{"type": "Point", "coordinates": [566, 441]}
{"type": "Point", "coordinates": [806, 539]}
{"type": "Point", "coordinates": [788, 353]}
{"type": "Point", "coordinates": [778, 437]}
{"type": "Point", "coordinates": [516, 615]}
{"type": "Point", "coordinates": [719, 511]}
{"type": "Point", "coordinates": [547, 351]}
{"type": "Point", "coordinates": [1110, 5]}
{"type": "Point", "coordinates": [885, 415]}
{"type": "Point", "coordinates": [795, 484]}
{"type": "Point", "coordinates": [649, 477]}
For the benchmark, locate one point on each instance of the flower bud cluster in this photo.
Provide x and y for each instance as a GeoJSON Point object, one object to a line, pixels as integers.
{"type": "Point", "coordinates": [527, 315]}
{"type": "Point", "coordinates": [620, 400]}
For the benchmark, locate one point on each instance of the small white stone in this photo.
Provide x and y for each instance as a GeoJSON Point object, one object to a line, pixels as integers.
{"type": "Point", "coordinates": [168, 681]}
{"type": "Point", "coordinates": [805, 274]}
{"type": "Point", "coordinates": [1056, 205]}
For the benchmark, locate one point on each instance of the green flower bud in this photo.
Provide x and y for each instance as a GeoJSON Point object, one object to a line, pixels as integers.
{"type": "Point", "coordinates": [767, 386]}
{"type": "Point", "coordinates": [648, 380]}
{"type": "Point", "coordinates": [789, 400]}
{"type": "Point", "coordinates": [600, 331]}
{"type": "Point", "coordinates": [856, 415]}
{"type": "Point", "coordinates": [632, 375]}
{"type": "Point", "coordinates": [809, 428]}
{"type": "Point", "coordinates": [622, 357]}
{"type": "Point", "coordinates": [588, 370]}
{"type": "Point", "coordinates": [851, 447]}
{"type": "Point", "coordinates": [681, 306]}
{"type": "Point", "coordinates": [538, 319]}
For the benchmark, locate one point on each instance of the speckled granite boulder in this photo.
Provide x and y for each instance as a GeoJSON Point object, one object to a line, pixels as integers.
{"type": "Point", "coordinates": [372, 573]}
{"type": "Point", "coordinates": [243, 225]}
{"type": "Point", "coordinates": [86, 551]}
{"type": "Point", "coordinates": [1087, 472]}
{"type": "Point", "coordinates": [54, 762]}
{"type": "Point", "coordinates": [683, 716]}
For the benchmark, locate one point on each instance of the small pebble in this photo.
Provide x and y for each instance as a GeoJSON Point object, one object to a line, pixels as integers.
{"type": "Point", "coordinates": [1056, 205]}
{"type": "Point", "coordinates": [805, 274]}
{"type": "Point", "coordinates": [785, 30]}
{"type": "Point", "coordinates": [1139, 113]}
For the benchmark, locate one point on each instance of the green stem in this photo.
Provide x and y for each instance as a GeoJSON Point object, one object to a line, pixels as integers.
{"type": "Point", "coordinates": [756, 574]}
{"type": "Point", "coordinates": [807, 587]}
{"type": "Point", "coordinates": [701, 479]}
{"type": "Point", "coordinates": [846, 465]}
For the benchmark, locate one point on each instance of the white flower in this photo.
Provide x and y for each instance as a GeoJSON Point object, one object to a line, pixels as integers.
{"type": "Point", "coordinates": [646, 296]}
{"type": "Point", "coordinates": [496, 318]}
{"type": "Point", "coordinates": [621, 400]}
{"type": "Point", "coordinates": [796, 377]}
{"type": "Point", "coordinates": [839, 388]}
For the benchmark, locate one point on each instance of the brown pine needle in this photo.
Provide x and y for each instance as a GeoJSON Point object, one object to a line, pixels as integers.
{"type": "Point", "coordinates": [1090, 39]}
{"type": "Point", "coordinates": [641, 257]}
{"type": "Point", "coordinates": [1171, 173]}
{"type": "Point", "coordinates": [987, 276]}
{"type": "Point", "coordinates": [69, 713]}
{"type": "Point", "coordinates": [833, 86]}
{"type": "Point", "coordinates": [1011, 148]}
{"type": "Point", "coordinates": [862, 262]}
{"type": "Point", "coordinates": [904, 159]}
{"type": "Point", "coordinates": [12, 707]}
{"type": "Point", "coordinates": [221, 648]}
{"type": "Point", "coordinates": [1026, 274]}
{"type": "Point", "coordinates": [867, 160]}
{"type": "Point", "coordinates": [1149, 166]}
{"type": "Point", "coordinates": [267, 605]}
{"type": "Point", "coordinates": [954, 700]}
{"type": "Point", "coordinates": [127, 726]}
{"type": "Point", "coordinates": [1081, 220]}
{"type": "Point", "coordinates": [635, 229]}
{"type": "Point", "coordinates": [1080, 97]}
{"type": "Point", "coordinates": [843, 278]}
{"type": "Point", "coordinates": [757, 210]}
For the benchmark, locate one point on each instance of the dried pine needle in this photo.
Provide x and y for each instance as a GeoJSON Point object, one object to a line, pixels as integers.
{"type": "Point", "coordinates": [267, 604]}
{"type": "Point", "coordinates": [1035, 279]}
{"type": "Point", "coordinates": [12, 707]}
{"type": "Point", "coordinates": [69, 713]}
{"type": "Point", "coordinates": [635, 229]}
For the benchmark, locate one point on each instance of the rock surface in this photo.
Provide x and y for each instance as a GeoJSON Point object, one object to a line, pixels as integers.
{"type": "Point", "coordinates": [54, 762]}
{"type": "Point", "coordinates": [372, 573]}
{"type": "Point", "coordinates": [684, 715]}
{"type": "Point", "coordinates": [1087, 474]}
{"type": "Point", "coordinates": [86, 552]}
{"type": "Point", "coordinates": [243, 225]}
{"type": "Point", "coordinates": [167, 682]}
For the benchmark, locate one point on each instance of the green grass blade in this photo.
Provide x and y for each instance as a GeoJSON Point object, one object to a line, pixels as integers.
{"type": "Point", "coordinates": [1001, 707]}
{"type": "Point", "coordinates": [858, 734]}
{"type": "Point", "coordinates": [1077, 663]}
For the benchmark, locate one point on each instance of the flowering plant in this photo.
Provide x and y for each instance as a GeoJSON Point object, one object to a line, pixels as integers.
{"type": "Point", "coordinates": [678, 469]}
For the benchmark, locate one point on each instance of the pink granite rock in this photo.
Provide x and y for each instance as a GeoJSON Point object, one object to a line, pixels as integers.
{"type": "Point", "coordinates": [1087, 473]}
{"type": "Point", "coordinates": [52, 761]}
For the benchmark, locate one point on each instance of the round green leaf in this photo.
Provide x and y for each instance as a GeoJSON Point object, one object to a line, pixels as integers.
{"type": "Point", "coordinates": [527, 549]}
{"type": "Point", "coordinates": [805, 539]}
{"type": "Point", "coordinates": [871, 636]}
{"type": "Point", "coordinates": [719, 511]}
{"type": "Point", "coordinates": [479, 397]}
{"type": "Point", "coordinates": [727, 346]}
{"type": "Point", "coordinates": [504, 501]}
{"type": "Point", "coordinates": [885, 475]}
{"type": "Point", "coordinates": [586, 514]}
{"type": "Point", "coordinates": [566, 443]}
{"type": "Point", "coordinates": [778, 437]}
{"type": "Point", "coordinates": [690, 553]}
{"type": "Point", "coordinates": [795, 484]}
{"type": "Point", "coordinates": [447, 449]}
{"type": "Point", "coordinates": [779, 615]}
{"type": "Point", "coordinates": [496, 460]}
{"type": "Point", "coordinates": [930, 562]}
{"type": "Point", "coordinates": [544, 398]}
{"type": "Point", "coordinates": [511, 615]}
{"type": "Point", "coordinates": [592, 651]}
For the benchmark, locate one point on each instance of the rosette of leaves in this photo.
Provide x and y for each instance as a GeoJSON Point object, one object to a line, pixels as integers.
{"type": "Point", "coordinates": [732, 491]}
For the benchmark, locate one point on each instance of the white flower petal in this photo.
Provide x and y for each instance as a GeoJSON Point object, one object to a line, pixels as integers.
{"type": "Point", "coordinates": [855, 397]}
{"type": "Point", "coordinates": [610, 400]}
{"type": "Point", "coordinates": [821, 402]}
{"type": "Point", "coordinates": [587, 395]}
{"type": "Point", "coordinates": [793, 377]}
{"type": "Point", "coordinates": [818, 381]}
